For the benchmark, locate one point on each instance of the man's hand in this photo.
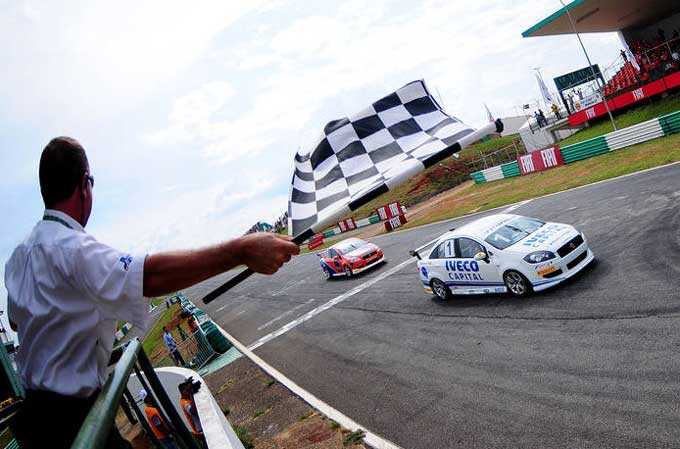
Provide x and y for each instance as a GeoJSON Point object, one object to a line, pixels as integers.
{"type": "Point", "coordinates": [264, 252]}
{"type": "Point", "coordinates": [169, 272]}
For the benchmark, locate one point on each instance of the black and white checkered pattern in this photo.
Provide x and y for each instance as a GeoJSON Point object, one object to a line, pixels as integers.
{"type": "Point", "coordinates": [369, 153]}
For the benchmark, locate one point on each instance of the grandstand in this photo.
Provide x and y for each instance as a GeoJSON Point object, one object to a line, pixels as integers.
{"type": "Point", "coordinates": [649, 61]}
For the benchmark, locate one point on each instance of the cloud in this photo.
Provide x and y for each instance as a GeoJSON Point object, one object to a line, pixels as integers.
{"type": "Point", "coordinates": [192, 113]}
{"type": "Point", "coordinates": [102, 57]}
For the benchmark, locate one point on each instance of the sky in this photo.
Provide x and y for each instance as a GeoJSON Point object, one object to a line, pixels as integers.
{"type": "Point", "coordinates": [191, 114]}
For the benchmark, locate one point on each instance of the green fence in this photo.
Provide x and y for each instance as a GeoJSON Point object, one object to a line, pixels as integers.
{"type": "Point", "coordinates": [661, 126]}
{"type": "Point", "coordinates": [584, 150]}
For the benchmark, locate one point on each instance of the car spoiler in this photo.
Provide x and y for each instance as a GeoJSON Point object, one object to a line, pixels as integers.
{"type": "Point", "coordinates": [416, 252]}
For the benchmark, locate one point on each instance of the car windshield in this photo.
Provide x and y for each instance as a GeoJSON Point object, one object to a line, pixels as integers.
{"type": "Point", "coordinates": [350, 245]}
{"type": "Point", "coordinates": [513, 232]}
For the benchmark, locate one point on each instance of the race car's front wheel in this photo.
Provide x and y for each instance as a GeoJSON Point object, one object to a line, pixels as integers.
{"type": "Point", "coordinates": [516, 283]}
{"type": "Point", "coordinates": [440, 289]}
{"type": "Point", "coordinates": [348, 271]}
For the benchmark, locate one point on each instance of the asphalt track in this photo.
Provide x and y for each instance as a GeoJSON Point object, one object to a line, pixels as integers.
{"type": "Point", "coordinates": [592, 363]}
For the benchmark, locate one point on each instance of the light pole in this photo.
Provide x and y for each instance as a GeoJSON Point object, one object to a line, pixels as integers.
{"type": "Point", "coordinates": [592, 70]}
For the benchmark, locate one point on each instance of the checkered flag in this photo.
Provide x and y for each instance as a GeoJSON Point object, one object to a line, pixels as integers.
{"type": "Point", "coordinates": [361, 157]}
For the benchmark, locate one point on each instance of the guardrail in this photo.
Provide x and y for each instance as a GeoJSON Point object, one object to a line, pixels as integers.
{"type": "Point", "coordinates": [642, 132]}
{"type": "Point", "coordinates": [194, 349]}
{"type": "Point", "coordinates": [97, 425]}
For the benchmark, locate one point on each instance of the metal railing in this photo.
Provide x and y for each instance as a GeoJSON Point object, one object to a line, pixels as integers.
{"type": "Point", "coordinates": [99, 421]}
{"type": "Point", "coordinates": [195, 350]}
{"type": "Point", "coordinates": [499, 156]}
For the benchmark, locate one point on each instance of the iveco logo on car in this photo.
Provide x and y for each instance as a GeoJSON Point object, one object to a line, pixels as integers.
{"type": "Point", "coordinates": [460, 265]}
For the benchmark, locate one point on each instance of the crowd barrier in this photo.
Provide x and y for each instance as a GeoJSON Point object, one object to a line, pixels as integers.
{"type": "Point", "coordinates": [195, 350]}
{"type": "Point", "coordinates": [642, 132]}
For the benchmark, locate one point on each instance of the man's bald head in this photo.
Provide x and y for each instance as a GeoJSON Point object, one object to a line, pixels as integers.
{"type": "Point", "coordinates": [62, 165]}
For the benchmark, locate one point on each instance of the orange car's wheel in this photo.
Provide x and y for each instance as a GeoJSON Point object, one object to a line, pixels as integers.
{"type": "Point", "coordinates": [348, 271]}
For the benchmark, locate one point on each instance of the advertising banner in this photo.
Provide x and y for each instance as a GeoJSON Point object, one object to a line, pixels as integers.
{"type": "Point", "coordinates": [315, 243]}
{"type": "Point", "coordinates": [544, 159]}
{"type": "Point", "coordinates": [672, 80]}
{"type": "Point", "coordinates": [635, 95]}
{"type": "Point", "coordinates": [347, 225]}
{"type": "Point", "coordinates": [395, 222]}
{"type": "Point", "coordinates": [389, 211]}
{"type": "Point", "coordinates": [590, 113]}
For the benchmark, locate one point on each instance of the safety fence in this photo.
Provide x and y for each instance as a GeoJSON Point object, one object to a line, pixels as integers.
{"type": "Point", "coordinates": [94, 431]}
{"type": "Point", "coordinates": [194, 352]}
{"type": "Point", "coordinates": [661, 126]}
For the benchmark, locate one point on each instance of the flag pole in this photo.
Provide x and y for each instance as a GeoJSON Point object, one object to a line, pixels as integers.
{"type": "Point", "coordinates": [491, 128]}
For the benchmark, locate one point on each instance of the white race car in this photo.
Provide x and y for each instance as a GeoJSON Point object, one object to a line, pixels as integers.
{"type": "Point", "coordinates": [501, 253]}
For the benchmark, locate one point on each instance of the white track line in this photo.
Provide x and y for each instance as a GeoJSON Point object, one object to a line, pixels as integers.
{"type": "Point", "coordinates": [288, 287]}
{"type": "Point", "coordinates": [338, 299]}
{"type": "Point", "coordinates": [284, 314]}
{"type": "Point", "coordinates": [515, 206]}
{"type": "Point", "coordinates": [345, 421]}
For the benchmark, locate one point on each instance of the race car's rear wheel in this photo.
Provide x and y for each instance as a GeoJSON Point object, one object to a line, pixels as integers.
{"type": "Point", "coordinates": [440, 289]}
{"type": "Point", "coordinates": [516, 283]}
{"type": "Point", "coordinates": [327, 273]}
{"type": "Point", "coordinates": [348, 271]}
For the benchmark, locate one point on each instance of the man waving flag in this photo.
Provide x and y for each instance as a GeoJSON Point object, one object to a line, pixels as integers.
{"type": "Point", "coordinates": [360, 157]}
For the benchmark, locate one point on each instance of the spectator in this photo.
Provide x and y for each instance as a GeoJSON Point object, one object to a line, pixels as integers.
{"type": "Point", "coordinates": [188, 406]}
{"type": "Point", "coordinates": [172, 347]}
{"type": "Point", "coordinates": [158, 426]}
{"type": "Point", "coordinates": [556, 111]}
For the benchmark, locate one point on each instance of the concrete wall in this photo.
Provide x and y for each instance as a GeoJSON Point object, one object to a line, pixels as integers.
{"type": "Point", "coordinates": [217, 430]}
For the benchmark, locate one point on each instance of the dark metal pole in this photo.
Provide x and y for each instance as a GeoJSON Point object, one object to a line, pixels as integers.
{"type": "Point", "coordinates": [592, 70]}
{"type": "Point", "coordinates": [183, 435]}
{"type": "Point", "coordinates": [128, 412]}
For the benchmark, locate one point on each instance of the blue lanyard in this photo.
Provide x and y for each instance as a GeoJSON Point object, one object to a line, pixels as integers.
{"type": "Point", "coordinates": [57, 220]}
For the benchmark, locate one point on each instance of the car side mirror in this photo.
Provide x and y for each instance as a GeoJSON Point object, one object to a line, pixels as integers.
{"type": "Point", "coordinates": [482, 256]}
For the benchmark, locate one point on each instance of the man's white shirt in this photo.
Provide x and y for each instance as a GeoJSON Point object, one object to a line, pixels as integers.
{"type": "Point", "coordinates": [66, 291]}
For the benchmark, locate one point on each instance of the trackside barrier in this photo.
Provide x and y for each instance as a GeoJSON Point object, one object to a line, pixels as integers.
{"type": "Point", "coordinates": [670, 123]}
{"type": "Point", "coordinates": [510, 169]}
{"type": "Point", "coordinates": [642, 132]}
{"type": "Point", "coordinates": [94, 431]}
{"type": "Point", "coordinates": [195, 350]}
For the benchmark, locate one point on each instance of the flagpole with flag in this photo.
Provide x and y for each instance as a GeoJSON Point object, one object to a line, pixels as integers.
{"type": "Point", "coordinates": [626, 48]}
{"type": "Point", "coordinates": [489, 114]}
{"type": "Point", "coordinates": [358, 158]}
{"type": "Point", "coordinates": [544, 90]}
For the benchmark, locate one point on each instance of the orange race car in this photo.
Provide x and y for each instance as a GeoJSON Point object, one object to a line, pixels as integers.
{"type": "Point", "coordinates": [349, 257]}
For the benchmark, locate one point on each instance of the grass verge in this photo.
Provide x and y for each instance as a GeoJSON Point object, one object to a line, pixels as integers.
{"type": "Point", "coordinates": [631, 117]}
{"type": "Point", "coordinates": [480, 197]}
{"type": "Point", "coordinates": [154, 339]}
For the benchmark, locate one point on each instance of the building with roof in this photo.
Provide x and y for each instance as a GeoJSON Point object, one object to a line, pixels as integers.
{"type": "Point", "coordinates": [649, 63]}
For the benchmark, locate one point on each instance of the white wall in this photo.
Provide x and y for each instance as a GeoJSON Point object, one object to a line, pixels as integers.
{"type": "Point", "coordinates": [217, 430]}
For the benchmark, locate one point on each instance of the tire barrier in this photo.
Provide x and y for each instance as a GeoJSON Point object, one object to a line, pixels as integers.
{"type": "Point", "coordinates": [207, 329]}
{"type": "Point", "coordinates": [642, 132]}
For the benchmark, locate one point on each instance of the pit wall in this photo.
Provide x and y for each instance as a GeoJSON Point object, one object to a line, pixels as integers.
{"type": "Point", "coordinates": [642, 132]}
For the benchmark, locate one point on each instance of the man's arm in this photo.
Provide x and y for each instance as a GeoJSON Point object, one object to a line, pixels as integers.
{"type": "Point", "coordinates": [262, 252]}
